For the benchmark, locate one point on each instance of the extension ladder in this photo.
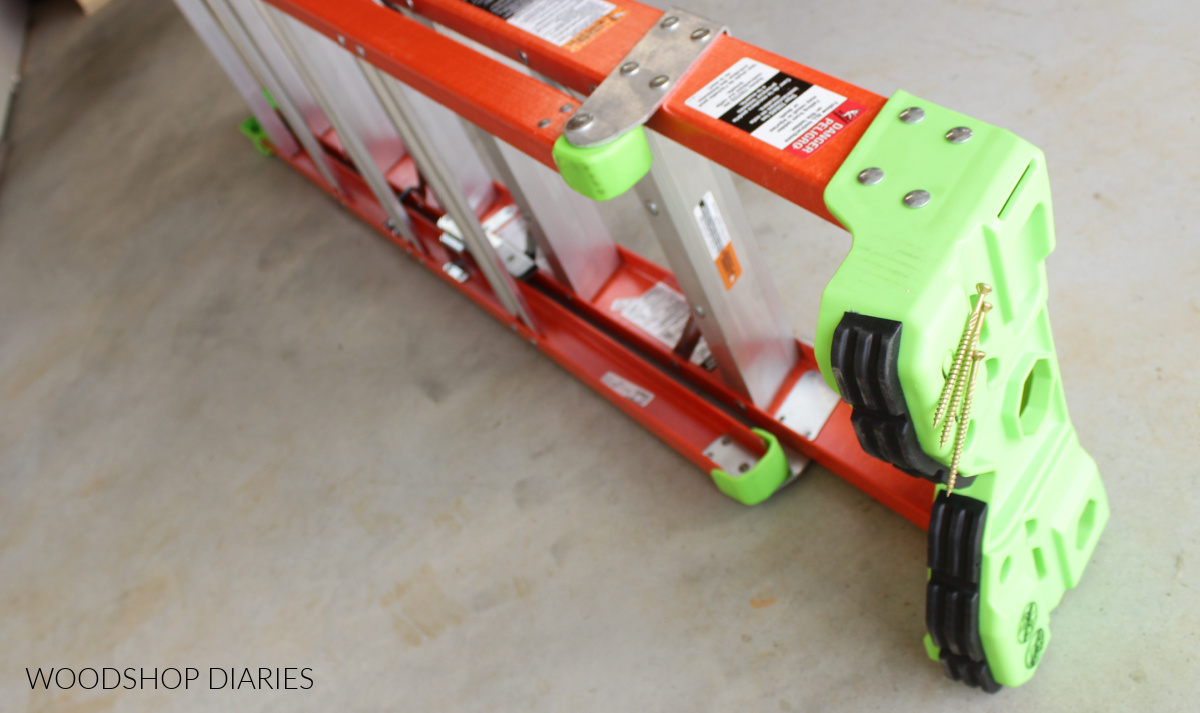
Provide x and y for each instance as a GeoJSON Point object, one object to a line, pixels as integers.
{"type": "Point", "coordinates": [476, 136]}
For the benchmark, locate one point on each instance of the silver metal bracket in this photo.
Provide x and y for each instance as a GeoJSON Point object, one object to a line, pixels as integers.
{"type": "Point", "coordinates": [504, 229]}
{"type": "Point", "coordinates": [736, 459]}
{"type": "Point", "coordinates": [808, 406]}
{"type": "Point", "coordinates": [642, 81]}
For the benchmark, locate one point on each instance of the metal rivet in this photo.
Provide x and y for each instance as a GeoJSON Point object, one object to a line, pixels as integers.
{"type": "Point", "coordinates": [959, 135]}
{"type": "Point", "coordinates": [725, 441]}
{"type": "Point", "coordinates": [652, 207]}
{"type": "Point", "coordinates": [669, 22]}
{"type": "Point", "coordinates": [630, 68]}
{"type": "Point", "coordinates": [659, 82]}
{"type": "Point", "coordinates": [579, 121]}
{"type": "Point", "coordinates": [566, 108]}
{"type": "Point", "coordinates": [523, 57]}
{"type": "Point", "coordinates": [543, 123]}
{"type": "Point", "coordinates": [341, 41]}
{"type": "Point", "coordinates": [743, 467]}
{"type": "Point", "coordinates": [361, 52]}
{"type": "Point", "coordinates": [916, 199]}
{"type": "Point", "coordinates": [912, 115]}
{"type": "Point", "coordinates": [699, 311]}
{"type": "Point", "coordinates": [870, 176]}
{"type": "Point", "coordinates": [701, 33]}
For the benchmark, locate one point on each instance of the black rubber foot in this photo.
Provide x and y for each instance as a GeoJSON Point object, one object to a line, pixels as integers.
{"type": "Point", "coordinates": [863, 360]}
{"type": "Point", "coordinates": [952, 595]}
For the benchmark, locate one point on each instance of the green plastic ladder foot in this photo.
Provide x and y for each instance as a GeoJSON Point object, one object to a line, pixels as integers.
{"type": "Point", "coordinates": [253, 130]}
{"type": "Point", "coordinates": [761, 481]}
{"type": "Point", "coordinates": [1034, 493]}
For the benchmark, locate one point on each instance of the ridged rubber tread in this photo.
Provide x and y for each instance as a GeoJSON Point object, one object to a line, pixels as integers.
{"type": "Point", "coordinates": [973, 673]}
{"type": "Point", "coordinates": [956, 527]}
{"type": "Point", "coordinates": [863, 361]}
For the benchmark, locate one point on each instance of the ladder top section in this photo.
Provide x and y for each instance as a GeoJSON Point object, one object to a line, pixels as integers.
{"type": "Point", "coordinates": [778, 123]}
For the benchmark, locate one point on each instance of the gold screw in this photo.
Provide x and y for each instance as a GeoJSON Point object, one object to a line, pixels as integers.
{"type": "Point", "coordinates": [964, 422]}
{"type": "Point", "coordinates": [964, 345]}
{"type": "Point", "coordinates": [956, 396]}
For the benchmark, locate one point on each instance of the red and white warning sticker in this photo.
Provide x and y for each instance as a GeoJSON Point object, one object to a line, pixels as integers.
{"type": "Point", "coordinates": [777, 108]}
{"type": "Point", "coordinates": [569, 24]}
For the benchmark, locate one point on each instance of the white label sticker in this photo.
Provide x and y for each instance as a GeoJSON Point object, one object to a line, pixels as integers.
{"type": "Point", "coordinates": [775, 107]}
{"type": "Point", "coordinates": [504, 226]}
{"type": "Point", "coordinates": [661, 311]}
{"type": "Point", "coordinates": [564, 23]}
{"type": "Point", "coordinates": [717, 240]}
{"type": "Point", "coordinates": [628, 389]}
{"type": "Point", "coordinates": [663, 314]}
{"type": "Point", "coordinates": [708, 217]}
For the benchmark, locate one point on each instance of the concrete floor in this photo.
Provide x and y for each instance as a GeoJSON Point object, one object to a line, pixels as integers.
{"type": "Point", "coordinates": [239, 429]}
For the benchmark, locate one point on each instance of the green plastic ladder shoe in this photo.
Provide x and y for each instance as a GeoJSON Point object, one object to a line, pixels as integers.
{"type": "Point", "coordinates": [938, 203]}
{"type": "Point", "coordinates": [254, 131]}
{"type": "Point", "coordinates": [760, 482]}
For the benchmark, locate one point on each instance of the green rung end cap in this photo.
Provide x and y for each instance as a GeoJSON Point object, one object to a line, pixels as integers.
{"type": "Point", "coordinates": [761, 481]}
{"type": "Point", "coordinates": [604, 172]}
{"type": "Point", "coordinates": [253, 130]}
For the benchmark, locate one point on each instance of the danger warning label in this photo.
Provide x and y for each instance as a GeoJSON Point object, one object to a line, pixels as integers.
{"type": "Point", "coordinates": [777, 108]}
{"type": "Point", "coordinates": [569, 24]}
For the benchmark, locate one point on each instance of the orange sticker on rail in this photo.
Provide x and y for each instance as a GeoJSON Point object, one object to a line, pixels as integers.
{"type": "Point", "coordinates": [569, 24]}
{"type": "Point", "coordinates": [717, 240]}
{"type": "Point", "coordinates": [597, 27]}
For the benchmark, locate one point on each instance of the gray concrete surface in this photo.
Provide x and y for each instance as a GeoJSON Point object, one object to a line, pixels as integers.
{"type": "Point", "coordinates": [238, 429]}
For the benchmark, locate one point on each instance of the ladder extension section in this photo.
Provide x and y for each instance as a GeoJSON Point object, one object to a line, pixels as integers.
{"type": "Point", "coordinates": [476, 137]}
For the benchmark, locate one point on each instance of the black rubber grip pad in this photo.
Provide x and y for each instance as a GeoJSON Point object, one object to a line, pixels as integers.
{"type": "Point", "coordinates": [864, 361]}
{"type": "Point", "coordinates": [956, 527]}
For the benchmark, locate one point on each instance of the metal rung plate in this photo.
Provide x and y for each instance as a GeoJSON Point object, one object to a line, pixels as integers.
{"type": "Point", "coordinates": [641, 82]}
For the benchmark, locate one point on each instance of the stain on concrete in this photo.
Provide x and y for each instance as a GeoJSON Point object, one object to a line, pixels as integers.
{"type": "Point", "coordinates": [433, 389]}
{"type": "Point", "coordinates": [531, 491]}
{"type": "Point", "coordinates": [424, 605]}
{"type": "Point", "coordinates": [453, 518]}
{"type": "Point", "coordinates": [405, 631]}
{"type": "Point", "coordinates": [256, 490]}
{"type": "Point", "coordinates": [138, 605]}
{"type": "Point", "coordinates": [523, 587]}
{"type": "Point", "coordinates": [373, 521]}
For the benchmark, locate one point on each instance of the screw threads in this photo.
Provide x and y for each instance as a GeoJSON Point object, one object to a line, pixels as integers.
{"type": "Point", "coordinates": [958, 393]}
{"type": "Point", "coordinates": [975, 327]}
{"type": "Point", "coordinates": [960, 354]}
{"type": "Point", "coordinates": [964, 422]}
